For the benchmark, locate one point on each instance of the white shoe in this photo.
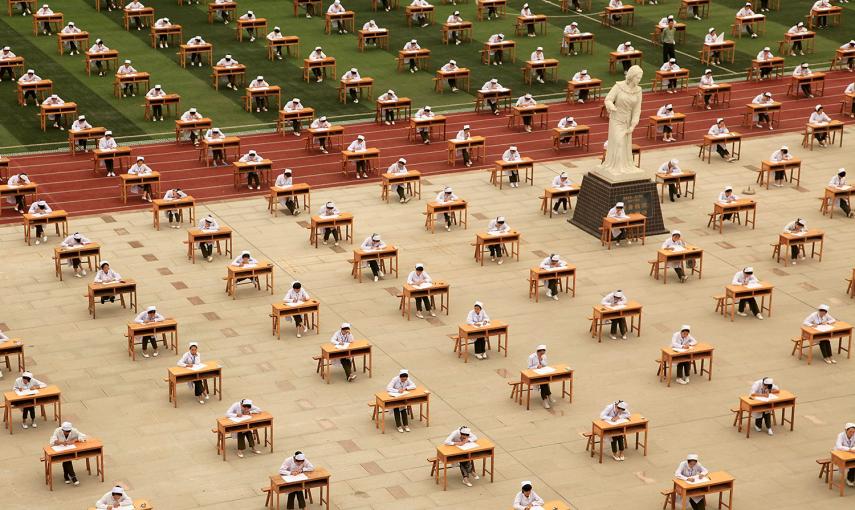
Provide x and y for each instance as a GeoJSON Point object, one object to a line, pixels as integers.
{"type": "Point", "coordinates": [758, 429]}
{"type": "Point", "coordinates": [202, 401]}
{"type": "Point", "coordinates": [501, 261]}
{"type": "Point", "coordinates": [546, 404]}
{"type": "Point", "coordinates": [623, 337]}
{"type": "Point", "coordinates": [376, 278]}
{"type": "Point", "coordinates": [555, 297]}
{"type": "Point", "coordinates": [240, 454]}
{"type": "Point", "coordinates": [769, 431]}
{"type": "Point", "coordinates": [484, 356]}
{"type": "Point", "coordinates": [432, 314]}
{"type": "Point", "coordinates": [682, 381]}
{"type": "Point", "coordinates": [38, 242]}
{"type": "Point", "coordinates": [759, 316]}
{"type": "Point", "coordinates": [406, 428]}
{"type": "Point", "coordinates": [299, 335]}
{"type": "Point", "coordinates": [155, 353]}
{"type": "Point", "coordinates": [616, 457]}
{"type": "Point", "coordinates": [256, 451]}
{"type": "Point", "coordinates": [419, 315]}
{"type": "Point", "coordinates": [210, 259]}
{"type": "Point", "coordinates": [851, 484]}
{"type": "Point", "coordinates": [742, 314]}
{"type": "Point", "coordinates": [252, 39]}
{"type": "Point", "coordinates": [401, 429]}
{"type": "Point", "coordinates": [467, 483]}
{"type": "Point", "coordinates": [355, 101]}
{"type": "Point", "coordinates": [145, 355]}
{"type": "Point", "coordinates": [25, 426]}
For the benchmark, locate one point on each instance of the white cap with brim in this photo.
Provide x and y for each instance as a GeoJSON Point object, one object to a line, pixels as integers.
{"type": "Point", "coordinates": [27, 375]}
{"type": "Point", "coordinates": [748, 269]}
{"type": "Point", "coordinates": [618, 293]}
{"type": "Point", "coordinates": [692, 456]}
{"type": "Point", "coordinates": [478, 304]}
{"type": "Point", "coordinates": [768, 380]}
{"type": "Point", "coordinates": [622, 405]}
{"type": "Point", "coordinates": [849, 425]}
{"type": "Point", "coordinates": [193, 344]}
{"type": "Point", "coordinates": [300, 457]}
{"type": "Point", "coordinates": [541, 347]}
{"type": "Point", "coordinates": [619, 205]}
{"type": "Point", "coordinates": [66, 426]}
{"type": "Point", "coordinates": [151, 309]}
{"type": "Point", "coordinates": [117, 490]}
{"type": "Point", "coordinates": [824, 308]}
{"type": "Point", "coordinates": [685, 327]}
{"type": "Point", "coordinates": [524, 483]}
{"type": "Point", "coordinates": [465, 430]}
{"type": "Point", "coordinates": [345, 325]}
{"type": "Point", "coordinates": [403, 371]}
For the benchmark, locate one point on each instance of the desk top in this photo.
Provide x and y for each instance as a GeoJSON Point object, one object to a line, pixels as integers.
{"type": "Point", "coordinates": [629, 306]}
{"type": "Point", "coordinates": [198, 232]}
{"type": "Point", "coordinates": [762, 286]}
{"type": "Point", "coordinates": [715, 478]}
{"type": "Point", "coordinates": [90, 444]}
{"type": "Point", "coordinates": [559, 369]}
{"type": "Point", "coordinates": [328, 348]}
{"type": "Point", "coordinates": [699, 348]}
{"type": "Point", "coordinates": [836, 327]}
{"type": "Point", "coordinates": [50, 390]}
{"type": "Point", "coordinates": [782, 397]}
{"type": "Point", "coordinates": [208, 366]}
{"type": "Point", "coordinates": [344, 216]}
{"type": "Point", "coordinates": [261, 264]}
{"type": "Point", "coordinates": [386, 398]}
{"type": "Point", "coordinates": [446, 450]}
{"type": "Point", "coordinates": [471, 328]}
{"type": "Point", "coordinates": [634, 420]}
{"type": "Point", "coordinates": [670, 252]}
{"type": "Point", "coordinates": [225, 422]}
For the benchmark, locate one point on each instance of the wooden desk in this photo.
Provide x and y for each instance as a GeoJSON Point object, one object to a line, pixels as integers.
{"type": "Point", "coordinates": [13, 347]}
{"type": "Point", "coordinates": [726, 50]}
{"type": "Point", "coordinates": [421, 56]}
{"type": "Point", "coordinates": [832, 195]}
{"type": "Point", "coordinates": [319, 223]}
{"type": "Point", "coordinates": [501, 166]}
{"type": "Point", "coordinates": [664, 256]}
{"type": "Point", "coordinates": [461, 74]}
{"type": "Point", "coordinates": [68, 110]}
{"type": "Point", "coordinates": [786, 240]}
{"type": "Point", "coordinates": [502, 98]}
{"type": "Point", "coordinates": [198, 125]}
{"type": "Point", "coordinates": [241, 168]}
{"type": "Point", "coordinates": [238, 71]}
{"type": "Point", "coordinates": [829, 128]}
{"type": "Point", "coordinates": [310, 310]}
{"type": "Point", "coordinates": [58, 218]}
{"type": "Point", "coordinates": [756, 21]}
{"type": "Point", "coordinates": [816, 80]}
{"type": "Point", "coordinates": [718, 482]}
{"type": "Point", "coordinates": [319, 478]}
{"type": "Point", "coordinates": [411, 10]}
{"type": "Point", "coordinates": [16, 65]}
{"type": "Point", "coordinates": [364, 88]}
{"type": "Point", "coordinates": [489, 48]}
{"type": "Point", "coordinates": [257, 24]}
{"type": "Point", "coordinates": [345, 19]}
{"type": "Point", "coordinates": [592, 85]}
{"type": "Point", "coordinates": [540, 21]}
{"type": "Point", "coordinates": [101, 56]}
{"type": "Point", "coordinates": [635, 224]}
{"type": "Point", "coordinates": [419, 123]}
{"type": "Point", "coordinates": [90, 135]}
{"type": "Point", "coordinates": [225, 144]}
{"type": "Point", "coordinates": [286, 118]}
{"type": "Point", "coordinates": [208, 370]}
{"type": "Point", "coordinates": [549, 66]}
{"type": "Point", "coordinates": [174, 34]}
{"type": "Point", "coordinates": [88, 449]}
{"type": "Point", "coordinates": [125, 286]}
{"type": "Point", "coordinates": [670, 356]}
{"type": "Point", "coordinates": [411, 180]}
{"type": "Point", "coordinates": [229, 8]}
{"type": "Point", "coordinates": [519, 112]}
{"type": "Point", "coordinates": [130, 180]}
{"type": "Point", "coordinates": [331, 134]}
{"type": "Point", "coordinates": [841, 57]}
{"type": "Point", "coordinates": [144, 15]}
{"type": "Point", "coordinates": [249, 272]}
{"type": "Point", "coordinates": [677, 122]}
{"type": "Point", "coordinates": [603, 313]}
{"type": "Point", "coordinates": [807, 39]}
{"type": "Point", "coordinates": [578, 136]}
{"type": "Point", "coordinates": [371, 156]}
{"type": "Point", "coordinates": [468, 333]}
{"type": "Point", "coordinates": [63, 38]}
{"type": "Point", "coordinates": [25, 190]}
{"type": "Point", "coordinates": [291, 43]}
{"type": "Point", "coordinates": [736, 207]}
{"type": "Point", "coordinates": [636, 424]}
{"type": "Point", "coordinates": [703, 7]}
{"type": "Point", "coordinates": [120, 156]}
{"type": "Point", "coordinates": [533, 377]}
{"type": "Point", "coordinates": [773, 110]}
{"type": "Point", "coordinates": [834, 12]}
{"type": "Point", "coordinates": [294, 192]}
{"type": "Point", "coordinates": [169, 102]}
{"type": "Point", "coordinates": [458, 209]}
{"type": "Point", "coordinates": [437, 288]}
{"type": "Point", "coordinates": [483, 8]}
{"type": "Point", "coordinates": [555, 504]}
{"type": "Point", "coordinates": [42, 397]}
{"type": "Point", "coordinates": [550, 195]}
{"type": "Point", "coordinates": [733, 138]}
{"type": "Point", "coordinates": [841, 462]}
{"type": "Point", "coordinates": [161, 204]}
{"type": "Point", "coordinates": [163, 328]}
{"type": "Point", "coordinates": [206, 50]}
{"type": "Point", "coordinates": [485, 240]}
{"type": "Point", "coordinates": [847, 106]}
{"type": "Point", "coordinates": [55, 20]}
{"type": "Point", "coordinates": [361, 257]}
{"type": "Point", "coordinates": [734, 293]}
{"type": "Point", "coordinates": [679, 36]}
{"type": "Point", "coordinates": [380, 38]}
{"type": "Point", "coordinates": [253, 423]}
{"type": "Point", "coordinates": [198, 235]}
{"type": "Point", "coordinates": [88, 251]}
{"type": "Point", "coordinates": [626, 12]}
{"type": "Point", "coordinates": [681, 76]}
{"type": "Point", "coordinates": [783, 400]}
{"type": "Point", "coordinates": [585, 40]}
{"type": "Point", "coordinates": [402, 108]}
{"type": "Point", "coordinates": [476, 145]}
{"type": "Point", "coordinates": [404, 401]}
{"type": "Point", "coordinates": [684, 177]}
{"type": "Point", "coordinates": [776, 64]}
{"type": "Point", "coordinates": [317, 4]}
{"type": "Point", "coordinates": [615, 57]}
{"type": "Point", "coordinates": [447, 455]}
{"type": "Point", "coordinates": [813, 336]}
{"type": "Point", "coordinates": [41, 88]}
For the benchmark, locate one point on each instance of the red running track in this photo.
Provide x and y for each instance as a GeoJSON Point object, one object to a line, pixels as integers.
{"type": "Point", "coordinates": [67, 182]}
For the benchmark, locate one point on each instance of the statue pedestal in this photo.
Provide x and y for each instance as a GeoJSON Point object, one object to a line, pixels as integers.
{"type": "Point", "coordinates": [598, 195]}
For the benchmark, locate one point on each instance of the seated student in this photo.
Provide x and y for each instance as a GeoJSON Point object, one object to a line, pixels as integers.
{"type": "Point", "coordinates": [614, 4]}
{"type": "Point", "coordinates": [417, 278]}
{"type": "Point", "coordinates": [196, 57]}
{"type": "Point", "coordinates": [497, 54]}
{"type": "Point", "coordinates": [582, 94]}
{"type": "Point", "coordinates": [252, 180]}
{"type": "Point", "coordinates": [445, 196]}
{"type": "Point", "coordinates": [45, 10]}
{"type": "Point", "coordinates": [219, 155]}
{"type": "Point", "coordinates": [106, 275]}
{"type": "Point", "coordinates": [526, 11]}
{"type": "Point", "coordinates": [40, 208]}
{"type": "Point", "coordinates": [192, 114]}
{"type": "Point", "coordinates": [412, 45]}
{"type": "Point", "coordinates": [618, 234]}
{"type": "Point", "coordinates": [228, 61]}
{"type": "Point", "coordinates": [707, 80]}
{"type": "Point", "coordinates": [244, 407]}
{"type": "Point", "coordinates": [224, 13]}
{"type": "Point", "coordinates": [400, 384]}
{"type": "Point", "coordinates": [369, 27]}
{"type": "Point", "coordinates": [106, 143]}
{"type": "Point", "coordinates": [149, 315]}
{"type": "Point", "coordinates": [763, 388]}
{"type": "Point", "coordinates": [79, 125]}
{"type": "Point", "coordinates": [65, 435]}
{"type": "Point", "coordinates": [20, 179]}
{"type": "Point", "coordinates": [174, 215]}
{"type": "Point", "coordinates": [850, 61]}
{"type": "Point", "coordinates": [293, 466]}
{"type": "Point", "coordinates": [76, 239]}
{"type": "Point", "coordinates": [562, 181]}
{"type": "Point", "coordinates": [566, 122]}
{"type": "Point", "coordinates": [322, 123]}
{"type": "Point", "coordinates": [276, 35]}
{"type": "Point", "coordinates": [285, 180]}
{"type": "Point", "coordinates": [553, 261]}
{"type": "Point", "coordinates": [671, 167]}
{"type": "Point", "coordinates": [337, 8]}
{"type": "Point", "coordinates": [760, 118]}
{"type": "Point", "coordinates": [260, 101]}
{"type": "Point", "coordinates": [667, 130]}
{"type": "Point", "coordinates": [764, 56]}
{"type": "Point", "coordinates": [114, 500]}
{"type": "Point", "coordinates": [691, 470]}
{"type": "Point", "coordinates": [3, 337]}
{"type": "Point", "coordinates": [190, 359]}
{"type": "Point", "coordinates": [727, 196]}
{"type": "Point", "coordinates": [70, 28]}
{"type": "Point", "coordinates": [250, 31]}
{"type": "Point", "coordinates": [839, 181]}
{"type": "Point", "coordinates": [424, 132]}
{"type": "Point", "coordinates": [849, 90]}
{"type": "Point", "coordinates": [671, 65]}
{"type": "Point", "coordinates": [613, 300]}
{"type": "Point", "coordinates": [680, 341]}
{"type": "Point", "coordinates": [329, 209]}
{"type": "Point", "coordinates": [25, 8]}
{"type": "Point", "coordinates": [821, 316]}
{"type": "Point", "coordinates": [399, 167]}
{"type": "Point", "coordinates": [526, 498]}
{"type": "Point", "coordinates": [512, 154]}
{"type": "Point", "coordinates": [389, 113]}
{"type": "Point", "coordinates": [538, 56]}
{"type": "Point", "coordinates": [297, 294]}
{"type": "Point", "coordinates": [746, 277]}
{"type": "Point", "coordinates": [140, 168]}
{"type": "Point", "coordinates": [374, 243]}
{"type": "Point", "coordinates": [478, 317]}
{"type": "Point", "coordinates": [612, 413]}
{"type": "Point", "coordinates": [316, 55]}
{"type": "Point", "coordinates": [465, 134]}
{"type": "Point", "coordinates": [625, 47]}
{"type": "Point", "coordinates": [136, 20]}
{"type": "Point", "coordinates": [804, 70]}
{"type": "Point", "coordinates": [675, 242]}
{"type": "Point", "coordinates": [29, 77]}
{"type": "Point", "coordinates": [571, 29]}
{"type": "Point", "coordinates": [162, 39]}
{"type": "Point", "coordinates": [799, 28]}
{"type": "Point", "coordinates": [846, 443]}
{"type": "Point", "coordinates": [111, 4]}
{"type": "Point", "coordinates": [99, 47]}
{"type": "Point", "coordinates": [359, 145]}
{"type": "Point", "coordinates": [537, 359]}
{"type": "Point", "coordinates": [796, 226]}
{"type": "Point", "coordinates": [822, 21]}
{"type": "Point", "coordinates": [55, 100]}
{"type": "Point", "coordinates": [294, 105]}
{"type": "Point", "coordinates": [387, 6]}
{"type": "Point", "coordinates": [344, 337]}
{"type": "Point", "coordinates": [490, 86]}
{"type": "Point", "coordinates": [26, 383]}
{"type": "Point", "coordinates": [245, 259]}
{"type": "Point", "coordinates": [450, 66]}
{"type": "Point", "coordinates": [419, 17]}
{"type": "Point", "coordinates": [497, 226]}
{"type": "Point", "coordinates": [819, 117]}
{"type": "Point", "coordinates": [718, 129]}
{"type": "Point", "coordinates": [744, 12]}
{"type": "Point", "coordinates": [460, 437]}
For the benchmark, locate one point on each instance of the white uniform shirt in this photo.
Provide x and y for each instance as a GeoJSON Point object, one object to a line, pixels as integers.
{"type": "Point", "coordinates": [793, 227]}
{"type": "Point", "coordinates": [415, 278]}
{"type": "Point", "coordinates": [44, 11]}
{"type": "Point", "coordinates": [477, 318]}
{"type": "Point", "coordinates": [335, 8]}
{"type": "Point", "coordinates": [34, 383]}
{"type": "Point", "coordinates": [764, 55]}
{"type": "Point", "coordinates": [622, 47]}
{"type": "Point", "coordinates": [317, 55]}
{"type": "Point", "coordinates": [534, 362]}
{"type": "Point", "coordinates": [570, 29]}
{"type": "Point", "coordinates": [396, 385]}
{"type": "Point", "coordinates": [296, 296]}
{"type": "Point", "coordinates": [213, 225]}
{"type": "Point", "coordinates": [526, 101]}
{"type": "Point", "coordinates": [174, 194]}
{"type": "Point", "coordinates": [494, 226]}
{"type": "Point", "coordinates": [802, 71]}
{"type": "Point", "coordinates": [537, 56]}
{"type": "Point", "coordinates": [283, 180]}
{"type": "Point", "coordinates": [107, 143]}
{"type": "Point", "coordinates": [326, 212]}
{"type": "Point", "coordinates": [684, 472]}
{"type": "Point", "coordinates": [139, 169]}
{"type": "Point", "coordinates": [844, 442]}
{"type": "Point", "coordinates": [557, 182]}
{"type": "Point", "coordinates": [59, 437]}
{"type": "Point", "coordinates": [668, 66]}
{"type": "Point", "coordinates": [611, 300]}
{"type": "Point", "coordinates": [819, 117]}
{"type": "Point", "coordinates": [189, 359]}
{"type": "Point", "coordinates": [238, 261]}
{"type": "Point", "coordinates": [98, 48]}
{"type": "Point", "coordinates": [668, 168]}
{"type": "Point", "coordinates": [188, 115]}
{"type": "Point", "coordinates": [521, 501]}
{"type": "Point", "coordinates": [107, 277]}
{"type": "Point", "coordinates": [320, 124]}
{"type": "Point", "coordinates": [196, 41]}
{"type": "Point", "coordinates": [126, 69]}
{"type": "Point", "coordinates": [581, 77]}
{"type": "Point", "coordinates": [724, 197]}
{"type": "Point", "coordinates": [143, 318]}
{"type": "Point", "coordinates": [35, 209]}
{"type": "Point", "coordinates": [248, 16]}
{"type": "Point", "coordinates": [745, 11]}
{"type": "Point", "coordinates": [795, 29]}
{"type": "Point", "coordinates": [79, 125]}
{"type": "Point", "coordinates": [356, 145]}
{"type": "Point", "coordinates": [564, 123]}
{"type": "Point", "coordinates": [612, 411]}
{"type": "Point", "coordinates": [350, 75]}
{"type": "Point", "coordinates": [815, 320]}
{"type": "Point", "coordinates": [510, 155]}
{"type": "Point", "coordinates": [449, 66]}
{"type": "Point", "coordinates": [70, 241]}
{"type": "Point", "coordinates": [388, 97]}
{"type": "Point", "coordinates": [293, 106]}
{"type": "Point", "coordinates": [275, 36]}
{"type": "Point", "coordinates": [444, 197]}
{"type": "Point", "coordinates": [678, 342]}
{"type": "Point", "coordinates": [850, 89]}
{"type": "Point", "coordinates": [370, 244]}
{"type": "Point", "coordinates": [28, 78]}
{"type": "Point", "coordinates": [107, 501]}
{"type": "Point", "coordinates": [741, 278]}
{"type": "Point", "coordinates": [162, 22]}
{"type": "Point", "coordinates": [290, 465]}
{"type": "Point", "coordinates": [249, 158]}
{"type": "Point", "coordinates": [223, 62]}
{"type": "Point", "coordinates": [258, 84]}
{"type": "Point", "coordinates": [547, 263]}
{"type": "Point", "coordinates": [70, 30]}
{"type": "Point", "coordinates": [424, 114]}
{"type": "Point", "coordinates": [663, 111]}
{"type": "Point", "coordinates": [237, 410]}
{"type": "Point", "coordinates": [455, 437]}
{"type": "Point", "coordinates": [411, 46]}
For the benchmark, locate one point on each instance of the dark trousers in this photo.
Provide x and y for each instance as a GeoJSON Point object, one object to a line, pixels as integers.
{"type": "Point", "coordinates": [322, 142]}
{"type": "Point", "coordinates": [681, 273]}
{"type": "Point", "coordinates": [68, 471]}
{"type": "Point", "coordinates": [30, 411]}
{"type": "Point", "coordinates": [530, 27]}
{"type": "Point", "coordinates": [75, 262]}
{"type": "Point", "coordinates": [583, 94]}
{"type": "Point", "coordinates": [375, 267]}
{"type": "Point", "coordinates": [218, 154]}
{"type": "Point", "coordinates": [749, 29]}
{"type": "Point", "coordinates": [491, 11]}
{"type": "Point", "coordinates": [851, 475]}
{"type": "Point", "coordinates": [618, 323]}
{"type": "Point", "coordinates": [252, 179]}
{"type": "Point", "coordinates": [128, 89]}
{"type": "Point", "coordinates": [347, 365]}
{"type": "Point", "coordinates": [494, 105]}
{"type": "Point", "coordinates": [672, 84]}
{"type": "Point", "coordinates": [766, 418]}
{"type": "Point", "coordinates": [157, 111]}
{"type": "Point", "coordinates": [162, 38]}
{"type": "Point", "coordinates": [243, 438]}
{"type": "Point", "coordinates": [722, 151]}
{"type": "Point", "coordinates": [46, 28]}
{"type": "Point", "coordinates": [626, 65]}
{"type": "Point", "coordinates": [673, 191]}
{"type": "Point", "coordinates": [298, 320]}
{"type": "Point", "coordinates": [683, 369]}
{"type": "Point", "coordinates": [400, 191]}
{"type": "Point", "coordinates": [844, 206]}
{"type": "Point", "coordinates": [173, 216]}
{"type": "Point", "coordinates": [423, 301]}
{"type": "Point", "coordinates": [794, 251]}
{"type": "Point", "coordinates": [389, 115]}
{"type": "Point", "coordinates": [669, 51]}
{"type": "Point", "coordinates": [298, 495]}
{"type": "Point", "coordinates": [480, 345]}
{"type": "Point", "coordinates": [752, 304]}
{"type": "Point", "coordinates": [620, 237]}
{"type": "Point", "coordinates": [6, 70]}
{"type": "Point", "coordinates": [40, 230]}
{"type": "Point", "coordinates": [425, 134]}
{"type": "Point", "coordinates": [825, 348]}
{"type": "Point", "coordinates": [763, 117]}
{"type": "Point", "coordinates": [261, 102]}
{"type": "Point", "coordinates": [467, 468]}
{"type": "Point", "coordinates": [780, 175]}
{"type": "Point", "coordinates": [618, 444]}
{"type": "Point", "coordinates": [81, 144]}
{"type": "Point", "coordinates": [28, 93]}
{"type": "Point", "coordinates": [360, 167]}
{"type": "Point", "coordinates": [111, 299]}
{"type": "Point", "coordinates": [806, 89]}
{"type": "Point", "coordinates": [561, 201]}
{"type": "Point", "coordinates": [291, 205]}
{"type": "Point", "coordinates": [447, 218]}
{"type": "Point", "coordinates": [466, 157]}
{"type": "Point", "coordinates": [198, 388]}
{"type": "Point", "coordinates": [545, 392]}
{"type": "Point", "coordinates": [797, 46]}
{"type": "Point", "coordinates": [195, 57]}
{"type": "Point", "coordinates": [401, 418]}
{"type": "Point", "coordinates": [295, 126]}
{"type": "Point", "coordinates": [700, 505]}
{"type": "Point", "coordinates": [316, 71]}
{"type": "Point", "coordinates": [552, 285]}
{"type": "Point", "coordinates": [820, 136]}
{"type": "Point", "coordinates": [452, 82]}
{"type": "Point", "coordinates": [149, 339]}
{"type": "Point", "coordinates": [707, 98]}
{"type": "Point", "coordinates": [330, 232]}
{"type": "Point", "coordinates": [352, 93]}
{"type": "Point", "coordinates": [498, 55]}
{"type": "Point", "coordinates": [823, 21]}
{"type": "Point", "coordinates": [412, 64]}
{"type": "Point", "coordinates": [765, 71]}
{"type": "Point", "coordinates": [207, 249]}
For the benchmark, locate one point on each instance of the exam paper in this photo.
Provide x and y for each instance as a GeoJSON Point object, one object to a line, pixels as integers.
{"type": "Point", "coordinates": [298, 303]}
{"type": "Point", "coordinates": [238, 419]}
{"type": "Point", "coordinates": [767, 398]}
{"type": "Point", "coordinates": [425, 285]}
{"type": "Point", "coordinates": [198, 366]}
{"type": "Point", "coordinates": [25, 393]}
{"type": "Point", "coordinates": [677, 249]}
{"type": "Point", "coordinates": [824, 327]}
{"type": "Point", "coordinates": [468, 446]}
{"type": "Point", "coordinates": [616, 307]}
{"type": "Point", "coordinates": [699, 480]}
{"type": "Point", "coordinates": [342, 346]}
{"type": "Point", "coordinates": [544, 370]}
{"type": "Point", "coordinates": [63, 447]}
{"type": "Point", "coordinates": [297, 478]}
{"type": "Point", "coordinates": [618, 422]}
{"type": "Point", "coordinates": [753, 285]}
{"type": "Point", "coordinates": [396, 394]}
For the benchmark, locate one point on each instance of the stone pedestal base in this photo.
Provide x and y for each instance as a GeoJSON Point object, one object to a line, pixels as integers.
{"type": "Point", "coordinates": [598, 195]}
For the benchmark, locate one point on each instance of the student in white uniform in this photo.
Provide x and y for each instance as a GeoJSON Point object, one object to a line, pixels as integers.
{"type": "Point", "coordinates": [64, 435]}
{"type": "Point", "coordinates": [612, 413]}
{"type": "Point", "coordinates": [675, 242]}
{"type": "Point", "coordinates": [329, 209]}
{"type": "Point", "coordinates": [526, 498]}
{"type": "Point", "coordinates": [344, 337]}
{"type": "Point", "coordinates": [99, 47]}
{"type": "Point", "coordinates": [224, 13]}
{"type": "Point", "coordinates": [297, 294]}
{"type": "Point", "coordinates": [135, 20]}
{"type": "Point", "coordinates": [613, 299]}
{"type": "Point", "coordinates": [447, 195]}
{"type": "Point", "coordinates": [245, 259]}
{"type": "Point", "coordinates": [416, 278]}
{"type": "Point", "coordinates": [149, 315]}
{"type": "Point", "coordinates": [682, 340]}
{"type": "Point", "coordinates": [819, 117]}
{"type": "Point", "coordinates": [797, 226]}
{"type": "Point", "coordinates": [490, 86]}
{"type": "Point", "coordinates": [527, 12]}
{"type": "Point", "coordinates": [846, 443]}
{"type": "Point", "coordinates": [70, 28]}
{"type": "Point", "coordinates": [413, 45]}
{"type": "Point", "coordinates": [276, 35]}
{"type": "Point", "coordinates": [764, 56]}
{"type": "Point", "coordinates": [315, 55]}
{"type": "Point", "coordinates": [190, 359]}
{"type": "Point", "coordinates": [747, 11]}
{"type": "Point", "coordinates": [25, 383]}
{"type": "Point", "coordinates": [537, 359]}
{"type": "Point", "coordinates": [804, 70]}
{"type": "Point", "coordinates": [250, 31]}
{"type": "Point", "coordinates": [209, 224]}
{"type": "Point", "coordinates": [162, 39]}
{"type": "Point", "coordinates": [819, 317]}
{"type": "Point", "coordinates": [727, 196]}
{"type": "Point", "coordinates": [691, 470]}
{"type": "Point", "coordinates": [40, 208]}
{"type": "Point", "coordinates": [707, 80]}
{"type": "Point", "coordinates": [114, 499]}
{"type": "Point", "coordinates": [522, 101]}
{"type": "Point", "coordinates": [389, 96]}
{"type": "Point", "coordinates": [538, 56]}
{"type": "Point", "coordinates": [450, 66]}
{"type": "Point", "coordinates": [460, 437]}
{"type": "Point", "coordinates": [156, 108]}
{"type": "Point", "coordinates": [283, 180]}
{"type": "Point", "coordinates": [321, 123]}
{"type": "Point", "coordinates": [424, 132]}
{"type": "Point", "coordinates": [667, 111]}
{"type": "Point", "coordinates": [763, 388]}
{"type": "Point", "coordinates": [294, 105]}
{"type": "Point", "coordinates": [252, 180]}
{"type": "Point", "coordinates": [839, 181]}
{"type": "Point", "coordinates": [719, 129]}
{"type": "Point", "coordinates": [478, 317]}
{"type": "Point", "coordinates": [561, 181]}
{"type": "Point", "coordinates": [671, 65]}
{"type": "Point", "coordinates": [58, 120]}
{"type": "Point", "coordinates": [79, 125]}
{"type": "Point", "coordinates": [261, 101]}
{"type": "Point", "coordinates": [29, 77]}
{"type": "Point", "coordinates": [400, 384]}
{"type": "Point", "coordinates": [799, 28]}
{"type": "Point", "coordinates": [399, 167]}
{"type": "Point", "coordinates": [358, 145]}
{"type": "Point", "coordinates": [174, 216]}
{"type": "Point", "coordinates": [453, 35]}
{"type": "Point", "coordinates": [782, 154]}
{"type": "Point", "coordinates": [497, 226]}
{"type": "Point", "coordinates": [553, 261]}
{"type": "Point", "coordinates": [352, 75]}
{"type": "Point", "coordinates": [374, 243]}
{"type": "Point", "coordinates": [746, 277]}
{"type": "Point", "coordinates": [293, 466]}
{"type": "Point", "coordinates": [850, 61]}
{"type": "Point", "coordinates": [196, 57]}
{"type": "Point", "coordinates": [512, 154]}
{"type": "Point", "coordinates": [106, 275]}
{"type": "Point", "coordinates": [140, 168]}
{"type": "Point", "coordinates": [193, 114]}
{"type": "Point", "coordinates": [565, 123]}
{"type": "Point", "coordinates": [228, 61]}
{"type": "Point", "coordinates": [244, 407]}
{"type": "Point", "coordinates": [219, 155]}
{"type": "Point", "coordinates": [20, 179]}
{"type": "Point", "coordinates": [822, 21]}
{"type": "Point", "coordinates": [672, 166]}
{"type": "Point", "coordinates": [618, 234]}
{"type": "Point", "coordinates": [465, 134]}
{"type": "Point", "coordinates": [76, 239]}
{"type": "Point", "coordinates": [337, 8]}
{"type": "Point", "coordinates": [625, 47]}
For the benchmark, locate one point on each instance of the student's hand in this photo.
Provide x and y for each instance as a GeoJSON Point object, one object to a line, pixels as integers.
{"type": "Point", "coordinates": [296, 472]}
{"type": "Point", "coordinates": [690, 479]}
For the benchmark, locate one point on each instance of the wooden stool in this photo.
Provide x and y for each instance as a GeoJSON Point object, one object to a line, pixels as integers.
{"type": "Point", "coordinates": [432, 461]}
{"type": "Point", "coordinates": [516, 395]}
{"type": "Point", "coordinates": [669, 495]}
{"type": "Point", "coordinates": [798, 345]}
{"type": "Point", "coordinates": [825, 468]}
{"type": "Point", "coordinates": [737, 418]}
{"type": "Point", "coordinates": [719, 303]}
{"type": "Point", "coordinates": [593, 441]}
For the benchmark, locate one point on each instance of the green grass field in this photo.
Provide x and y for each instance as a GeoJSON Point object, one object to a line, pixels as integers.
{"type": "Point", "coordinates": [94, 95]}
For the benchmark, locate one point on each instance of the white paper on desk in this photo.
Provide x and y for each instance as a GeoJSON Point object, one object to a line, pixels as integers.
{"type": "Point", "coordinates": [297, 478]}
{"type": "Point", "coordinates": [127, 507]}
{"type": "Point", "coordinates": [537, 507]}
{"type": "Point", "coordinates": [618, 422]}
{"type": "Point", "coordinates": [26, 393]}
{"type": "Point", "coordinates": [425, 285]}
{"type": "Point", "coordinates": [585, 33]}
{"type": "Point", "coordinates": [767, 398]}
{"type": "Point", "coordinates": [249, 266]}
{"type": "Point", "coordinates": [63, 447]}
{"type": "Point", "coordinates": [616, 307]}
{"type": "Point", "coordinates": [298, 303]}
{"type": "Point", "coordinates": [197, 366]}
{"type": "Point", "coordinates": [679, 349]}
{"type": "Point", "coordinates": [824, 327]}
{"type": "Point", "coordinates": [753, 285]}
{"type": "Point", "coordinates": [238, 419]}
{"type": "Point", "coordinates": [287, 186]}
{"type": "Point", "coordinates": [329, 216]}
{"type": "Point", "coordinates": [723, 203]}
{"type": "Point", "coordinates": [844, 188]}
{"type": "Point", "coordinates": [699, 480]}
{"type": "Point", "coordinates": [468, 446]}
{"type": "Point", "coordinates": [493, 232]}
{"type": "Point", "coordinates": [677, 249]}
{"type": "Point", "coordinates": [800, 233]}
{"type": "Point", "coordinates": [544, 370]}
{"type": "Point", "coordinates": [720, 38]}
{"type": "Point", "coordinates": [342, 346]}
{"type": "Point", "coordinates": [396, 394]}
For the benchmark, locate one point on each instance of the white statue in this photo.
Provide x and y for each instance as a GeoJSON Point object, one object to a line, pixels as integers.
{"type": "Point", "coordinates": [623, 103]}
